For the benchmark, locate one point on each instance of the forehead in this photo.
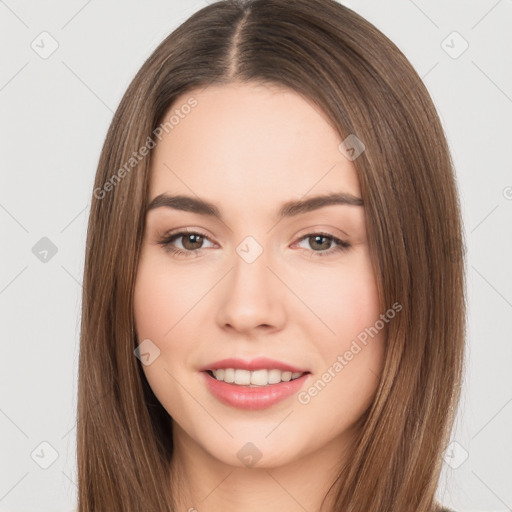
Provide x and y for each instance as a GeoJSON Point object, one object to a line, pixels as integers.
{"type": "Point", "coordinates": [250, 145]}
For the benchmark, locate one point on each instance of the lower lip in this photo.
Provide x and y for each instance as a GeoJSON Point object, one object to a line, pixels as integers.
{"type": "Point", "coordinates": [255, 398]}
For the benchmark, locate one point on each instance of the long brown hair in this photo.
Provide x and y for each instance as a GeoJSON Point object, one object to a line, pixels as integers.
{"type": "Point", "coordinates": [367, 88]}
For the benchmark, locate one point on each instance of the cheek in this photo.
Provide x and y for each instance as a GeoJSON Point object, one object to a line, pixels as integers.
{"type": "Point", "coordinates": [160, 302]}
{"type": "Point", "coordinates": [345, 299]}
{"type": "Point", "coordinates": [351, 360]}
{"type": "Point", "coordinates": [153, 303]}
{"type": "Point", "coordinates": [161, 298]}
{"type": "Point", "coordinates": [353, 351]}
{"type": "Point", "coordinates": [160, 305]}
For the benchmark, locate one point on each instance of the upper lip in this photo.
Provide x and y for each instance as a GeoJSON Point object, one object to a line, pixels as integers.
{"type": "Point", "coordinates": [260, 363]}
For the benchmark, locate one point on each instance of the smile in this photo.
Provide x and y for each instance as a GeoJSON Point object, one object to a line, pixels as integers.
{"type": "Point", "coordinates": [241, 393]}
{"type": "Point", "coordinates": [254, 378]}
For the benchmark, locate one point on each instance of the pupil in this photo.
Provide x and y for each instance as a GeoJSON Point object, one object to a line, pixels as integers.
{"type": "Point", "coordinates": [195, 239]}
{"type": "Point", "coordinates": [317, 237]}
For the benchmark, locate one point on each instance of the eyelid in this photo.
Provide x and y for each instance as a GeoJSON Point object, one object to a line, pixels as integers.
{"type": "Point", "coordinates": [325, 230]}
{"type": "Point", "coordinates": [177, 231]}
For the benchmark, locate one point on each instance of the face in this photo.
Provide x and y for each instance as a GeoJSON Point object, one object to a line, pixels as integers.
{"type": "Point", "coordinates": [282, 300]}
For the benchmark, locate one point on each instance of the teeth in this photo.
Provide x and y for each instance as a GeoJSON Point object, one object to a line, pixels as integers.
{"type": "Point", "coordinates": [242, 377]}
{"type": "Point", "coordinates": [255, 378]}
{"type": "Point", "coordinates": [229, 375]}
{"type": "Point", "coordinates": [259, 377]}
{"type": "Point", "coordinates": [274, 376]}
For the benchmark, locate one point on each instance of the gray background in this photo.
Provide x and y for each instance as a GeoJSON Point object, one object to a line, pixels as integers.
{"type": "Point", "coordinates": [55, 112]}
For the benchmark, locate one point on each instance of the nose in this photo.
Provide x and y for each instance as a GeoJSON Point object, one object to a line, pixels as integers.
{"type": "Point", "coordinates": [251, 298]}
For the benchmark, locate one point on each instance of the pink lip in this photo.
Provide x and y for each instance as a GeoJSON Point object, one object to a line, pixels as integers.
{"type": "Point", "coordinates": [252, 398]}
{"type": "Point", "coordinates": [260, 363]}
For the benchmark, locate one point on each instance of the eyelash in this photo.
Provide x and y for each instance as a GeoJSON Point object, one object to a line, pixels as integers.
{"type": "Point", "coordinates": [341, 245]}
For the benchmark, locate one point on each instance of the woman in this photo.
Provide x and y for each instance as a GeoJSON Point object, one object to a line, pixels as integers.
{"type": "Point", "coordinates": [273, 310]}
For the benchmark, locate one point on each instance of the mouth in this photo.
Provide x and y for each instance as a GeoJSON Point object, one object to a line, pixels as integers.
{"type": "Point", "coordinates": [256, 378]}
{"type": "Point", "coordinates": [253, 390]}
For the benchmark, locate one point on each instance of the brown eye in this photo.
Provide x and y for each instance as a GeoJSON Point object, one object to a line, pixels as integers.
{"type": "Point", "coordinates": [185, 243]}
{"type": "Point", "coordinates": [192, 241]}
{"type": "Point", "coordinates": [320, 242]}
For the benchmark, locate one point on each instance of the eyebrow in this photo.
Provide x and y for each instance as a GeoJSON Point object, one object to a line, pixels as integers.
{"type": "Point", "coordinates": [288, 209]}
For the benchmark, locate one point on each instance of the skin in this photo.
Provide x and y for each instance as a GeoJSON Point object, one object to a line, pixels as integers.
{"type": "Point", "coordinates": [248, 148]}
